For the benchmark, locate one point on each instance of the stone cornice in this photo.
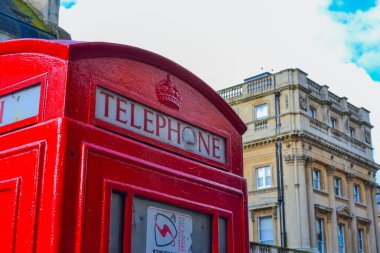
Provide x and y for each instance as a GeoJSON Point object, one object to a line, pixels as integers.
{"type": "Point", "coordinates": [316, 140]}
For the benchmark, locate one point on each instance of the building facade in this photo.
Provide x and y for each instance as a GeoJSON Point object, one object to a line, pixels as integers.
{"type": "Point", "coordinates": [30, 19]}
{"type": "Point", "coordinates": [309, 165]}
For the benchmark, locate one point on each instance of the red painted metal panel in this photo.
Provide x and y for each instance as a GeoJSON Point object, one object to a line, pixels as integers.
{"type": "Point", "coordinates": [9, 199]}
{"type": "Point", "coordinates": [19, 182]}
{"type": "Point", "coordinates": [60, 166]}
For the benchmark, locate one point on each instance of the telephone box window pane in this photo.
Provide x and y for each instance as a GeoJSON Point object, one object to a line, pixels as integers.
{"type": "Point", "coordinates": [222, 235]}
{"type": "Point", "coordinates": [116, 223]}
{"type": "Point", "coordinates": [159, 227]}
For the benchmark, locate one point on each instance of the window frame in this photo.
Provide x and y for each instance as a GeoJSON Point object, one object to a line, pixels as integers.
{"type": "Point", "coordinates": [351, 131]}
{"type": "Point", "coordinates": [255, 111]}
{"type": "Point", "coordinates": [360, 240]}
{"type": "Point", "coordinates": [259, 229]}
{"type": "Point", "coordinates": [333, 122]}
{"type": "Point", "coordinates": [357, 194]}
{"type": "Point", "coordinates": [318, 180]}
{"type": "Point", "coordinates": [312, 112]}
{"type": "Point", "coordinates": [320, 226]}
{"type": "Point", "coordinates": [338, 187]}
{"type": "Point", "coordinates": [264, 181]}
{"type": "Point", "coordinates": [341, 247]}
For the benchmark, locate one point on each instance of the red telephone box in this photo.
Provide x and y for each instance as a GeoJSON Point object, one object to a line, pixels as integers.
{"type": "Point", "coordinates": [110, 148]}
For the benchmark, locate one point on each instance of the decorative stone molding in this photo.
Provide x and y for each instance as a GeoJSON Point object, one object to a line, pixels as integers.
{"type": "Point", "coordinates": [369, 184]}
{"type": "Point", "coordinates": [324, 210]}
{"type": "Point", "coordinates": [364, 221]}
{"type": "Point", "coordinates": [301, 158]}
{"type": "Point", "coordinates": [303, 101]}
{"type": "Point", "coordinates": [344, 212]}
{"type": "Point", "coordinates": [350, 177]}
{"type": "Point", "coordinates": [274, 209]}
{"type": "Point", "coordinates": [252, 215]}
{"type": "Point", "coordinates": [330, 170]}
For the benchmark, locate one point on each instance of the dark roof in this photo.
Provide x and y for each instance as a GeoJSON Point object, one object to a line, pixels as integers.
{"type": "Point", "coordinates": [257, 76]}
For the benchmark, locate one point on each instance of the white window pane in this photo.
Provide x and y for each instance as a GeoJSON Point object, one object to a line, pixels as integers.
{"type": "Point", "coordinates": [267, 171]}
{"type": "Point", "coordinates": [261, 111]}
{"type": "Point", "coordinates": [261, 172]}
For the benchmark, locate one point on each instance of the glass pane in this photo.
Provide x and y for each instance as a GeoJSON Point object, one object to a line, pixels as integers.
{"type": "Point", "coordinates": [222, 235]}
{"type": "Point", "coordinates": [267, 181]}
{"type": "Point", "coordinates": [261, 172]}
{"type": "Point", "coordinates": [261, 111]}
{"type": "Point", "coordinates": [260, 182]}
{"type": "Point", "coordinates": [265, 229]}
{"type": "Point", "coordinates": [116, 223]}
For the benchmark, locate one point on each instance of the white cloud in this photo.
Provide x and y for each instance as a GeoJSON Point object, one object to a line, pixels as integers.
{"type": "Point", "coordinates": [224, 42]}
{"type": "Point", "coordinates": [362, 36]}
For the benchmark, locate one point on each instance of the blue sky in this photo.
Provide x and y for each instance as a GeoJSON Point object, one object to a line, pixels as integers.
{"type": "Point", "coordinates": [351, 6]}
{"type": "Point", "coordinates": [361, 19]}
{"type": "Point", "coordinates": [223, 42]}
{"type": "Point", "coordinates": [67, 4]}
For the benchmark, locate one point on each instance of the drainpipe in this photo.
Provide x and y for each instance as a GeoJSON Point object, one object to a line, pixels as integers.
{"type": "Point", "coordinates": [280, 174]}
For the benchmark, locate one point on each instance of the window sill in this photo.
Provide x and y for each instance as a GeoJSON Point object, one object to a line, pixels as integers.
{"type": "Point", "coordinates": [320, 192]}
{"type": "Point", "coordinates": [341, 198]}
{"type": "Point", "coordinates": [361, 205]}
{"type": "Point", "coordinates": [263, 190]}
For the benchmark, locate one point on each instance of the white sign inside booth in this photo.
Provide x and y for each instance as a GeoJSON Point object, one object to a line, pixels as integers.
{"type": "Point", "coordinates": [168, 231]}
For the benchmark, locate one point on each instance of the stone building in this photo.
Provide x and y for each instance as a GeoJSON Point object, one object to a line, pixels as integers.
{"type": "Point", "coordinates": [308, 163]}
{"type": "Point", "coordinates": [30, 19]}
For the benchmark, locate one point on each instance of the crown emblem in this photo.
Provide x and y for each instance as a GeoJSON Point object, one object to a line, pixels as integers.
{"type": "Point", "coordinates": [168, 94]}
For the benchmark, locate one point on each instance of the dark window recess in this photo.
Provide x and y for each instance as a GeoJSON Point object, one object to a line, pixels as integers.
{"type": "Point", "coordinates": [222, 233]}
{"type": "Point", "coordinates": [116, 222]}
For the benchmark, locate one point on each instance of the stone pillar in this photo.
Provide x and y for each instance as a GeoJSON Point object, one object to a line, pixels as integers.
{"type": "Point", "coordinates": [310, 206]}
{"type": "Point", "coordinates": [295, 202]}
{"type": "Point", "coordinates": [334, 221]}
{"type": "Point", "coordinates": [302, 201]}
{"type": "Point", "coordinates": [372, 236]}
{"type": "Point", "coordinates": [351, 201]}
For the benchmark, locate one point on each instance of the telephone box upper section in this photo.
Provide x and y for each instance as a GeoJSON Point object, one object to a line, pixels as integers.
{"type": "Point", "coordinates": [126, 90]}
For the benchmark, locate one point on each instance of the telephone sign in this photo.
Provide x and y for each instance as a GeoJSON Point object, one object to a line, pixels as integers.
{"type": "Point", "coordinates": [134, 116]}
